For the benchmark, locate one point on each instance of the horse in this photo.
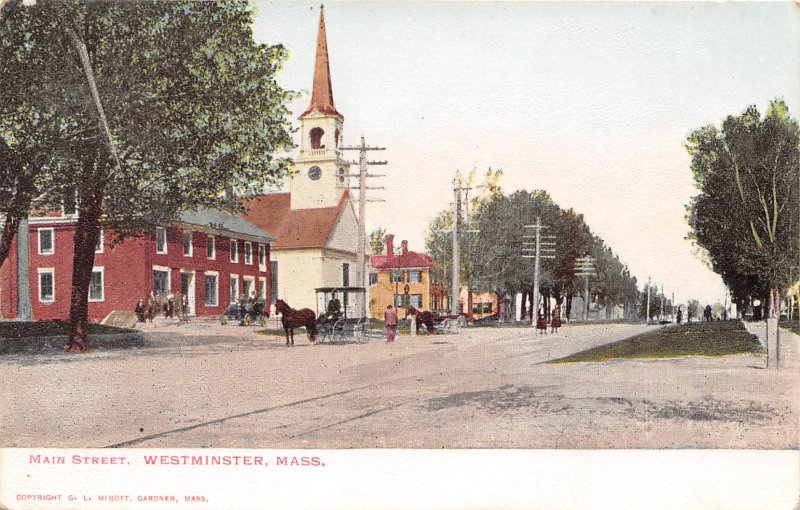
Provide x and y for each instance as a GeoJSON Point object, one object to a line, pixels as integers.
{"type": "Point", "coordinates": [425, 318]}
{"type": "Point", "coordinates": [291, 318]}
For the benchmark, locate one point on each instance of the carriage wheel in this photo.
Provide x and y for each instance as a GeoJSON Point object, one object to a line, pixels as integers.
{"type": "Point", "coordinates": [223, 319]}
{"type": "Point", "coordinates": [461, 322]}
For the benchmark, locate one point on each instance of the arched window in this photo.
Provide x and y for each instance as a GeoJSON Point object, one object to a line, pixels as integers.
{"type": "Point", "coordinates": [316, 138]}
{"type": "Point", "coordinates": [336, 138]}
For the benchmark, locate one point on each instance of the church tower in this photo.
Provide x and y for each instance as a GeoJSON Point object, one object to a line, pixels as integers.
{"type": "Point", "coordinates": [322, 174]}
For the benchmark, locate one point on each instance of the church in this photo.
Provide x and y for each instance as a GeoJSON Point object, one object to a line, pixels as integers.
{"type": "Point", "coordinates": [315, 225]}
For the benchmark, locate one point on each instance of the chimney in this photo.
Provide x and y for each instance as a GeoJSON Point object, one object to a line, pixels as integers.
{"type": "Point", "coordinates": [404, 246]}
{"type": "Point", "coordinates": [390, 245]}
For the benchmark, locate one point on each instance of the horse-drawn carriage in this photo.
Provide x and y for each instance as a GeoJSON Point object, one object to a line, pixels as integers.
{"type": "Point", "coordinates": [436, 322]}
{"type": "Point", "coordinates": [336, 323]}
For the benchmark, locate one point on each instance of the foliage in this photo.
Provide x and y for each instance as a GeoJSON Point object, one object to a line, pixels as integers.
{"type": "Point", "coordinates": [377, 240]}
{"type": "Point", "coordinates": [746, 215]}
{"type": "Point", "coordinates": [187, 106]}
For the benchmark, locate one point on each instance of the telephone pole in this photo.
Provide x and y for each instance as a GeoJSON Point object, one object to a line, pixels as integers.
{"type": "Point", "coordinates": [548, 252]}
{"type": "Point", "coordinates": [647, 310]}
{"type": "Point", "coordinates": [361, 257]}
{"type": "Point", "coordinates": [584, 266]}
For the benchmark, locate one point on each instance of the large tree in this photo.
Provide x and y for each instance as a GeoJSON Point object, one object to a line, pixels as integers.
{"type": "Point", "coordinates": [159, 107]}
{"type": "Point", "coordinates": [746, 215]}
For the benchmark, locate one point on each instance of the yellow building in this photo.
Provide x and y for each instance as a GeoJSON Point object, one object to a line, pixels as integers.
{"type": "Point", "coordinates": [402, 279]}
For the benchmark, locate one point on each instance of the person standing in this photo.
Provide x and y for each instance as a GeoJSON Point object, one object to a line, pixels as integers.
{"type": "Point", "coordinates": [541, 322]}
{"type": "Point", "coordinates": [412, 321]}
{"type": "Point", "coordinates": [390, 322]}
{"type": "Point", "coordinates": [555, 319]}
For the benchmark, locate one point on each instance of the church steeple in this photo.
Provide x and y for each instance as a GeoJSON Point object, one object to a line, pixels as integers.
{"type": "Point", "coordinates": [322, 95]}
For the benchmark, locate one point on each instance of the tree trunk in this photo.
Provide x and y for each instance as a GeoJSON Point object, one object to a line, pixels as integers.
{"type": "Point", "coordinates": [568, 307]}
{"type": "Point", "coordinates": [87, 233]}
{"type": "Point", "coordinates": [470, 317]}
{"type": "Point", "coordinates": [501, 306]}
{"type": "Point", "coordinates": [9, 231]}
{"type": "Point", "coordinates": [523, 312]}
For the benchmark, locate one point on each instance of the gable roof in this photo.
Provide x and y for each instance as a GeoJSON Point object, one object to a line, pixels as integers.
{"type": "Point", "coordinates": [221, 220]}
{"type": "Point", "coordinates": [407, 259]}
{"type": "Point", "coordinates": [293, 228]}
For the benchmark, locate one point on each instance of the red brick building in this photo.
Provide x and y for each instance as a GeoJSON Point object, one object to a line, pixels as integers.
{"type": "Point", "coordinates": [211, 256]}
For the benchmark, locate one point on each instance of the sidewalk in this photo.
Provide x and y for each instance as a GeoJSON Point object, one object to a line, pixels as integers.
{"type": "Point", "coordinates": [789, 343]}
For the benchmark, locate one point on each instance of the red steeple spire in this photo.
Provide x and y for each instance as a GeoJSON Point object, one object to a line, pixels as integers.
{"type": "Point", "coordinates": [322, 96]}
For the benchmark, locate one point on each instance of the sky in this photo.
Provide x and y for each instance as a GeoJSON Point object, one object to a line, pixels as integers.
{"type": "Point", "coordinates": [591, 102]}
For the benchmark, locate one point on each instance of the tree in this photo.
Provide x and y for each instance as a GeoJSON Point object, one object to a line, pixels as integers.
{"type": "Point", "coordinates": [158, 108]}
{"type": "Point", "coordinates": [377, 240]}
{"type": "Point", "coordinates": [746, 215]}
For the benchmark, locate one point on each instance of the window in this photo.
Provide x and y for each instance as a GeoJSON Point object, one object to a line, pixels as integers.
{"type": "Point", "coordinates": [161, 240]}
{"type": "Point", "coordinates": [211, 289]}
{"type": "Point", "coordinates": [482, 308]}
{"type": "Point", "coordinates": [234, 288]}
{"type": "Point", "coordinates": [398, 300]}
{"type": "Point", "coordinates": [46, 241]}
{"type": "Point", "coordinates": [262, 288]}
{"type": "Point", "coordinates": [262, 257]}
{"type": "Point", "coordinates": [47, 285]}
{"type": "Point", "coordinates": [316, 138]}
{"type": "Point", "coordinates": [234, 251]}
{"type": "Point", "coordinates": [187, 244]}
{"type": "Point", "coordinates": [415, 300]}
{"type": "Point", "coordinates": [248, 252]}
{"type": "Point", "coordinates": [397, 276]}
{"type": "Point", "coordinates": [249, 286]}
{"type": "Point", "coordinates": [96, 285]}
{"type": "Point", "coordinates": [414, 276]}
{"type": "Point", "coordinates": [98, 248]}
{"type": "Point", "coordinates": [211, 247]}
{"type": "Point", "coordinates": [273, 284]}
{"type": "Point", "coordinates": [160, 280]}
{"type": "Point", "coordinates": [373, 278]}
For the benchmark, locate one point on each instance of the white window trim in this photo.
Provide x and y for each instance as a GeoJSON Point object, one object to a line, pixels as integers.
{"type": "Point", "coordinates": [234, 242]}
{"type": "Point", "coordinates": [46, 270]}
{"type": "Point", "coordinates": [246, 244]}
{"type": "Point", "coordinates": [215, 274]}
{"type": "Point", "coordinates": [101, 240]}
{"type": "Point", "coordinates": [102, 271]}
{"type": "Point", "coordinates": [52, 241]}
{"type": "Point", "coordinates": [166, 241]}
{"type": "Point", "coordinates": [169, 277]}
{"type": "Point", "coordinates": [252, 280]}
{"type": "Point", "coordinates": [262, 287]}
{"type": "Point", "coordinates": [191, 243]}
{"type": "Point", "coordinates": [213, 243]}
{"type": "Point", "coordinates": [262, 266]}
{"type": "Point", "coordinates": [233, 277]}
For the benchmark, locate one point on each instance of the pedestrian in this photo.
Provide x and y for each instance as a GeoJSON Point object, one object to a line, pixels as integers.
{"type": "Point", "coordinates": [707, 313]}
{"type": "Point", "coordinates": [412, 321]}
{"type": "Point", "coordinates": [680, 315]}
{"type": "Point", "coordinates": [541, 322]}
{"type": "Point", "coordinates": [555, 319]}
{"type": "Point", "coordinates": [390, 322]}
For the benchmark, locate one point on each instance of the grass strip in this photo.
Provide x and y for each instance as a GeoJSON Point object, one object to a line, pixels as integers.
{"type": "Point", "coordinates": [14, 329]}
{"type": "Point", "coordinates": [720, 338]}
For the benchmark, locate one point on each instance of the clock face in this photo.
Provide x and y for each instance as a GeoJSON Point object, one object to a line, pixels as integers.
{"type": "Point", "coordinates": [314, 173]}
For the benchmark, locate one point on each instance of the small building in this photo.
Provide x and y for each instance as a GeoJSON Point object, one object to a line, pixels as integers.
{"type": "Point", "coordinates": [402, 279]}
{"type": "Point", "coordinates": [210, 256]}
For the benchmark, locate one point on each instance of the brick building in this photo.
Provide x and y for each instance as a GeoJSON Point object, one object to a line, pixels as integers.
{"type": "Point", "coordinates": [210, 256]}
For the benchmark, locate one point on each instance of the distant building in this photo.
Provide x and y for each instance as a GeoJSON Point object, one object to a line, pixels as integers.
{"type": "Point", "coordinates": [402, 279]}
{"type": "Point", "coordinates": [210, 256]}
{"type": "Point", "coordinates": [315, 224]}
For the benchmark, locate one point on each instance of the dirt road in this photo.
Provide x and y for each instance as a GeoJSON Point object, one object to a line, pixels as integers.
{"type": "Point", "coordinates": [208, 386]}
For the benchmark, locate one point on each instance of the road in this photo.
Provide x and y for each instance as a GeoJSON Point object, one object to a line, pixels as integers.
{"type": "Point", "coordinates": [209, 386]}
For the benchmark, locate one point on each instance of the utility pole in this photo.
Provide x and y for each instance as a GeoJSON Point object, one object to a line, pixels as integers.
{"type": "Point", "coordinates": [361, 257]}
{"type": "Point", "coordinates": [661, 309]}
{"type": "Point", "coordinates": [537, 256]}
{"type": "Point", "coordinates": [647, 310]}
{"type": "Point", "coordinates": [584, 266]}
{"type": "Point", "coordinates": [454, 284]}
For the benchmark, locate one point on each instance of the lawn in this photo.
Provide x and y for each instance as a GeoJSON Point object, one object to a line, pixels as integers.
{"type": "Point", "coordinates": [701, 339]}
{"type": "Point", "coordinates": [13, 329]}
{"type": "Point", "coordinates": [792, 325]}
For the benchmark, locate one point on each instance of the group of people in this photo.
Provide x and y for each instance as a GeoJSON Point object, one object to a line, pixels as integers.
{"type": "Point", "coordinates": [555, 320]}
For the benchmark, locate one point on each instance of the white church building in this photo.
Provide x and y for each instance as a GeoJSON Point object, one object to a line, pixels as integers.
{"type": "Point", "coordinates": [315, 225]}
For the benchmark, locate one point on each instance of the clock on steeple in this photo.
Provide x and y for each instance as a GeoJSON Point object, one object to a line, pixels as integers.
{"type": "Point", "coordinates": [323, 174]}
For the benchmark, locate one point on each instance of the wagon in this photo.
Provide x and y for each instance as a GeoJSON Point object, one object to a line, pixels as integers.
{"type": "Point", "coordinates": [341, 323]}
